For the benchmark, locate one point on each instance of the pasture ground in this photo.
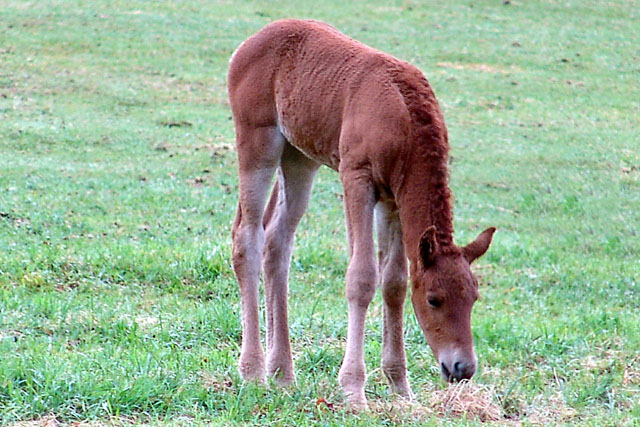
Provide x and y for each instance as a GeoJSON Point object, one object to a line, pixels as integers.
{"type": "Point", "coordinates": [117, 191]}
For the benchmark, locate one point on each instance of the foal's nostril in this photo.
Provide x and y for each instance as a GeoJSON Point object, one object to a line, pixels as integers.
{"type": "Point", "coordinates": [463, 370]}
{"type": "Point", "coordinates": [445, 371]}
{"type": "Point", "coordinates": [457, 370]}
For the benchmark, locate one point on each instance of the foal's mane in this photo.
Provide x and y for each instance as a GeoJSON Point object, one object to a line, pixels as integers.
{"type": "Point", "coordinates": [429, 151]}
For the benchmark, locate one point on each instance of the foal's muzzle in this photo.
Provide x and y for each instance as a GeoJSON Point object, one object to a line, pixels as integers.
{"type": "Point", "coordinates": [455, 368]}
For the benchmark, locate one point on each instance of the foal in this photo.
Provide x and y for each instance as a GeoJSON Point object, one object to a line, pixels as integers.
{"type": "Point", "coordinates": [305, 95]}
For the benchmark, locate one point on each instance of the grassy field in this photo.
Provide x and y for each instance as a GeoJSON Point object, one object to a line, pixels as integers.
{"type": "Point", "coordinates": [117, 190]}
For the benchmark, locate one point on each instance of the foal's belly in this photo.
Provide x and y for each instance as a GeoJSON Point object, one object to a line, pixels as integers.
{"type": "Point", "coordinates": [317, 138]}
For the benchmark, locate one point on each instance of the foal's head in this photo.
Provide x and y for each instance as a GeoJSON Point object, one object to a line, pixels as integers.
{"type": "Point", "coordinates": [444, 290]}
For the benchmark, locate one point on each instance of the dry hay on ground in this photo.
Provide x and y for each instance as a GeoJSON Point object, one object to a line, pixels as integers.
{"type": "Point", "coordinates": [466, 399]}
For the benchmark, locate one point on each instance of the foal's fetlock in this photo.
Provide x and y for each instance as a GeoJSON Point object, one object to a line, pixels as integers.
{"type": "Point", "coordinates": [282, 378]}
{"type": "Point", "coordinates": [397, 378]}
{"type": "Point", "coordinates": [401, 387]}
{"type": "Point", "coordinates": [353, 388]}
{"type": "Point", "coordinates": [252, 368]}
{"type": "Point", "coordinates": [281, 372]}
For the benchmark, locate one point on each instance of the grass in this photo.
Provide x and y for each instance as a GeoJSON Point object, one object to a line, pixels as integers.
{"type": "Point", "coordinates": [117, 190]}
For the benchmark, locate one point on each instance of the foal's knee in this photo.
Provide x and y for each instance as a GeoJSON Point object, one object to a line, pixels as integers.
{"type": "Point", "coordinates": [394, 286]}
{"type": "Point", "coordinates": [393, 293]}
{"type": "Point", "coordinates": [361, 284]}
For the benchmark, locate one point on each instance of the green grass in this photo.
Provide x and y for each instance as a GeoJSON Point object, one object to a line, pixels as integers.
{"type": "Point", "coordinates": [118, 188]}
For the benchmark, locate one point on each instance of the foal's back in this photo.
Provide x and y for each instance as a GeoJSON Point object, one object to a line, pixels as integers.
{"type": "Point", "coordinates": [315, 85]}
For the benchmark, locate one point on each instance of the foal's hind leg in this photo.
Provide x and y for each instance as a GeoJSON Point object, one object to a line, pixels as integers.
{"type": "Point", "coordinates": [393, 280]}
{"type": "Point", "coordinates": [295, 179]}
{"type": "Point", "coordinates": [259, 152]}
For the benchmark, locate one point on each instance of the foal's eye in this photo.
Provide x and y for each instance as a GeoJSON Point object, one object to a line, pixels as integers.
{"type": "Point", "coordinates": [434, 302]}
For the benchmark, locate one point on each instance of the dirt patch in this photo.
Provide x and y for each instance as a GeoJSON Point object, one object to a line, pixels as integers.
{"type": "Point", "coordinates": [485, 68]}
{"type": "Point", "coordinates": [213, 383]}
{"type": "Point", "coordinates": [398, 410]}
{"type": "Point", "coordinates": [549, 411]}
{"type": "Point", "coordinates": [52, 421]}
{"type": "Point", "coordinates": [46, 421]}
{"type": "Point", "coordinates": [146, 322]}
{"type": "Point", "coordinates": [175, 123]}
{"type": "Point", "coordinates": [631, 374]}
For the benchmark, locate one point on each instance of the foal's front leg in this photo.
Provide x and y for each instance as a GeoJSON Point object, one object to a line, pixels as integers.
{"type": "Point", "coordinates": [393, 281]}
{"type": "Point", "coordinates": [361, 280]}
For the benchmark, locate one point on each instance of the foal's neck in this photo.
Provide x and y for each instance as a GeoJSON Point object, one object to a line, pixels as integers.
{"type": "Point", "coordinates": [424, 199]}
{"type": "Point", "coordinates": [422, 192]}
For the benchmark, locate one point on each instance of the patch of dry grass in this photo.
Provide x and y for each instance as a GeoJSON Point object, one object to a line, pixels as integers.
{"type": "Point", "coordinates": [549, 410]}
{"type": "Point", "coordinates": [472, 402]}
{"type": "Point", "coordinates": [213, 383]}
{"type": "Point", "coordinates": [47, 421]}
{"type": "Point", "coordinates": [467, 399]}
{"type": "Point", "coordinates": [462, 400]}
{"type": "Point", "coordinates": [486, 68]}
{"type": "Point", "coordinates": [52, 421]}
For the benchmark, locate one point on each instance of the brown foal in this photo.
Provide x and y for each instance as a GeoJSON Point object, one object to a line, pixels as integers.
{"type": "Point", "coordinates": [305, 95]}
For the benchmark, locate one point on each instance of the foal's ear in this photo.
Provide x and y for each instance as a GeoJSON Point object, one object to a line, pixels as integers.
{"type": "Point", "coordinates": [428, 246]}
{"type": "Point", "coordinates": [478, 247]}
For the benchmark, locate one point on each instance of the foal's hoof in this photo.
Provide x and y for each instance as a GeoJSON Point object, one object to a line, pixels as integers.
{"type": "Point", "coordinates": [281, 370]}
{"type": "Point", "coordinates": [407, 394]}
{"type": "Point", "coordinates": [250, 375]}
{"type": "Point", "coordinates": [282, 377]}
{"type": "Point", "coordinates": [357, 405]}
{"type": "Point", "coordinates": [283, 380]}
{"type": "Point", "coordinates": [356, 401]}
{"type": "Point", "coordinates": [403, 390]}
